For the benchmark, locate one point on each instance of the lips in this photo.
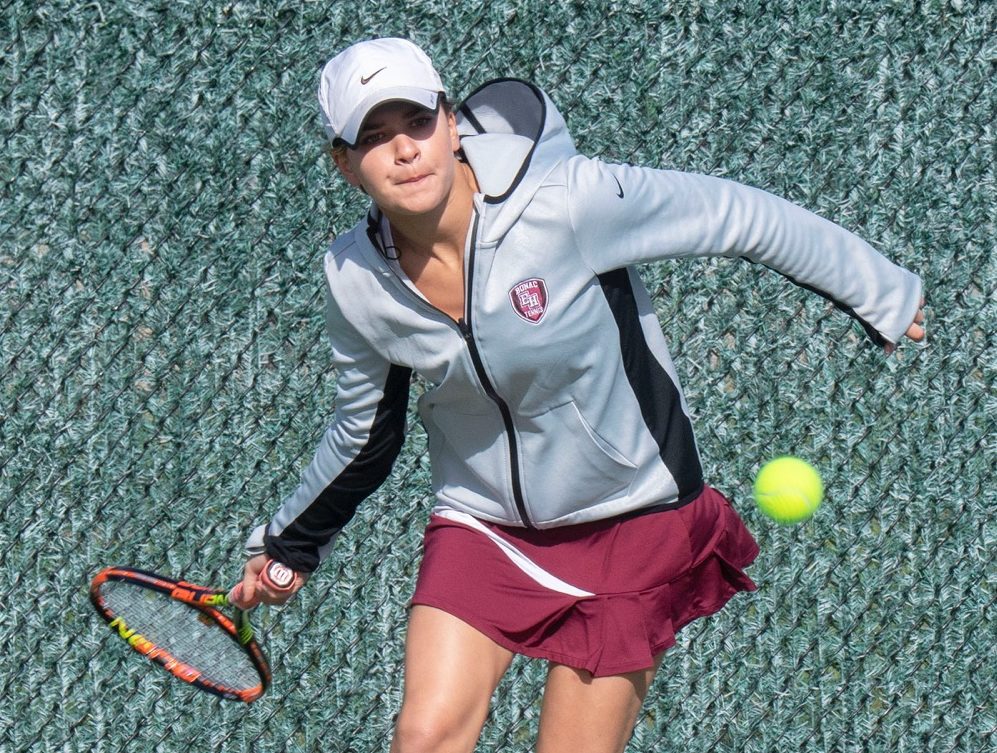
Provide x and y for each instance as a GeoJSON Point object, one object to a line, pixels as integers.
{"type": "Point", "coordinates": [414, 179]}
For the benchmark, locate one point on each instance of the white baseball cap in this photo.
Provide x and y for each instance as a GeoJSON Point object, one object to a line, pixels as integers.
{"type": "Point", "coordinates": [368, 74]}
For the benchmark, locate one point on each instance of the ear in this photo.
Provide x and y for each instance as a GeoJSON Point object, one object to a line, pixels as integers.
{"type": "Point", "coordinates": [452, 128]}
{"type": "Point", "coordinates": [342, 160]}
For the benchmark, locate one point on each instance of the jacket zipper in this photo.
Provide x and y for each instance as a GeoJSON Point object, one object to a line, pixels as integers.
{"type": "Point", "coordinates": [479, 368]}
{"type": "Point", "coordinates": [464, 326]}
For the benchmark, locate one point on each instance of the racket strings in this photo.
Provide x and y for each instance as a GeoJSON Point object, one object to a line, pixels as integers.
{"type": "Point", "coordinates": [183, 631]}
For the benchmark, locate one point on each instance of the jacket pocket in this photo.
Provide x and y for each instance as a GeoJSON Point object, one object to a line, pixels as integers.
{"type": "Point", "coordinates": [469, 458]}
{"type": "Point", "coordinates": [568, 465]}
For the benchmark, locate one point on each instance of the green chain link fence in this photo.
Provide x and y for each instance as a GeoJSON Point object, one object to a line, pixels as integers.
{"type": "Point", "coordinates": [165, 204]}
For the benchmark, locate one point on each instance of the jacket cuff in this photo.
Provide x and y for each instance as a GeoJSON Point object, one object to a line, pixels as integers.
{"type": "Point", "coordinates": [255, 542]}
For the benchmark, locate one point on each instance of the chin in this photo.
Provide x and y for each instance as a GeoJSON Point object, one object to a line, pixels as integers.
{"type": "Point", "coordinates": [414, 206]}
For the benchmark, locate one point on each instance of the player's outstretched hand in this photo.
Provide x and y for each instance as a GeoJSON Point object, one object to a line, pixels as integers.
{"type": "Point", "coordinates": [266, 581]}
{"type": "Point", "coordinates": [915, 331]}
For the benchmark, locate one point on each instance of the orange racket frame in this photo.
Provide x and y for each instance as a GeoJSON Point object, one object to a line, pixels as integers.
{"type": "Point", "coordinates": [205, 600]}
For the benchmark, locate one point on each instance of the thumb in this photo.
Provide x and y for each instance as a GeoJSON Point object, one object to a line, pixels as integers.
{"type": "Point", "coordinates": [245, 593]}
{"type": "Point", "coordinates": [241, 598]}
{"type": "Point", "coordinates": [248, 586]}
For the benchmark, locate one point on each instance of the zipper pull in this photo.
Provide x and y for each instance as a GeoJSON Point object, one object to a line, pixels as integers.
{"type": "Point", "coordinates": [465, 330]}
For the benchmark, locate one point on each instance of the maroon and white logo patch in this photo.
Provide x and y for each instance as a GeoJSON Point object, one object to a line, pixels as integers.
{"type": "Point", "coordinates": [529, 299]}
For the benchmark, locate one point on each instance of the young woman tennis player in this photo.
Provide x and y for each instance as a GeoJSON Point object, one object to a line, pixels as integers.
{"type": "Point", "coordinates": [572, 523]}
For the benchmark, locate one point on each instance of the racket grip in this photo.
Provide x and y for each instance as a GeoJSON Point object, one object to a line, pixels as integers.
{"type": "Point", "coordinates": [278, 577]}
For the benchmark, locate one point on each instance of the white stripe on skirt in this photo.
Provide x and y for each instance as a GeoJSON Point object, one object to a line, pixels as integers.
{"type": "Point", "coordinates": [520, 560]}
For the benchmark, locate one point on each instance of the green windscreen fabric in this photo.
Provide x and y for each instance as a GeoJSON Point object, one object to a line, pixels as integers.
{"type": "Point", "coordinates": [166, 201]}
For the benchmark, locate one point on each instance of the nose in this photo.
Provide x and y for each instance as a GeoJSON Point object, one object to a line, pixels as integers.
{"type": "Point", "coordinates": [406, 148]}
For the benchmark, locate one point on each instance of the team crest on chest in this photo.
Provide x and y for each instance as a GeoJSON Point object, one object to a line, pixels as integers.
{"type": "Point", "coordinates": [529, 299]}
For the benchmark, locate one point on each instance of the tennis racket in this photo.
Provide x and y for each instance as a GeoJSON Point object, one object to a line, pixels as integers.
{"type": "Point", "coordinates": [181, 627]}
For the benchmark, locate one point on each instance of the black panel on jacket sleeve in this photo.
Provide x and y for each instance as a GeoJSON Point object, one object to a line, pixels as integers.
{"type": "Point", "coordinates": [298, 544]}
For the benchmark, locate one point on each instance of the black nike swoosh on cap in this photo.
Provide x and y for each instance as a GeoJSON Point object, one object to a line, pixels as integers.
{"type": "Point", "coordinates": [364, 80]}
{"type": "Point", "coordinates": [620, 194]}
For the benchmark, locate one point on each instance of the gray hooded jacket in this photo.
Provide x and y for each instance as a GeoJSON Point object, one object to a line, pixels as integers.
{"type": "Point", "coordinates": [554, 400]}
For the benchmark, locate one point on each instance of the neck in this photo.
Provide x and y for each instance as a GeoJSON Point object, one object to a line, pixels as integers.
{"type": "Point", "coordinates": [442, 232]}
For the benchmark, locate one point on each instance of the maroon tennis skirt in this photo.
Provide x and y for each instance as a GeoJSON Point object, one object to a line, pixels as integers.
{"type": "Point", "coordinates": [607, 596]}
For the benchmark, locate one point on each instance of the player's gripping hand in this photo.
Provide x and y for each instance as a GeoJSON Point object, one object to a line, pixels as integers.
{"type": "Point", "coordinates": [915, 331]}
{"type": "Point", "coordinates": [266, 581]}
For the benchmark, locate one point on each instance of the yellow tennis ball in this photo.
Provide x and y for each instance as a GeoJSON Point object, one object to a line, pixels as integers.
{"type": "Point", "coordinates": [788, 490]}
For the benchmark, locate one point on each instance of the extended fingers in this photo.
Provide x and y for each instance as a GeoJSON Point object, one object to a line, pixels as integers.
{"type": "Point", "coordinates": [916, 330]}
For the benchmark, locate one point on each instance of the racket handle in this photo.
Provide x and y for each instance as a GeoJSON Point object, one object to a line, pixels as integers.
{"type": "Point", "coordinates": [278, 577]}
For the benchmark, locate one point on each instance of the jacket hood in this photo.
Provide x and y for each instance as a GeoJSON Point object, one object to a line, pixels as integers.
{"type": "Point", "coordinates": [513, 136]}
